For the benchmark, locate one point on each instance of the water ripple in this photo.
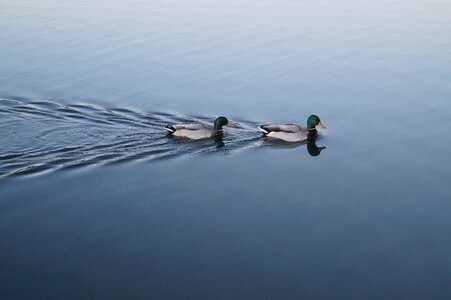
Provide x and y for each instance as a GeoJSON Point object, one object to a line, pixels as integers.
{"type": "Point", "coordinates": [43, 136]}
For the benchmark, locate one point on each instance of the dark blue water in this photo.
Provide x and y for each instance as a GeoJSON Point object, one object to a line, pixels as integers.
{"type": "Point", "coordinates": [96, 202]}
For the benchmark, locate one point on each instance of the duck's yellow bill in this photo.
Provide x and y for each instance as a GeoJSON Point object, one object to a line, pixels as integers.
{"type": "Point", "coordinates": [321, 125]}
{"type": "Point", "coordinates": [230, 124]}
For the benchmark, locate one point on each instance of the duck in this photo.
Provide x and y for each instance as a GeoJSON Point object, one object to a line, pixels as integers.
{"type": "Point", "coordinates": [291, 132]}
{"type": "Point", "coordinates": [198, 131]}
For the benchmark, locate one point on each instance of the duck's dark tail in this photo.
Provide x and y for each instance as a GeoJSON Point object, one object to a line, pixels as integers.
{"type": "Point", "coordinates": [264, 129]}
{"type": "Point", "coordinates": [170, 129]}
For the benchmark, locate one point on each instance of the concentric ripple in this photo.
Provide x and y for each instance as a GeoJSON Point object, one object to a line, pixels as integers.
{"type": "Point", "coordinates": [43, 136]}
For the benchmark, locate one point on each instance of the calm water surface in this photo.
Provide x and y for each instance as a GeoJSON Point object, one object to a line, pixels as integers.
{"type": "Point", "coordinates": [97, 203]}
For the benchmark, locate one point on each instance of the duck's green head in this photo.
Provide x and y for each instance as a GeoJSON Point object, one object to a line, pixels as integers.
{"type": "Point", "coordinates": [222, 121]}
{"type": "Point", "coordinates": [314, 121]}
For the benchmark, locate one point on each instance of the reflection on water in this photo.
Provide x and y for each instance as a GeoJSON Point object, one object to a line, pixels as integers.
{"type": "Point", "coordinates": [312, 148]}
{"type": "Point", "coordinates": [72, 136]}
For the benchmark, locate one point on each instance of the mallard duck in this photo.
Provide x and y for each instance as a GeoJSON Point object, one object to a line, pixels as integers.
{"type": "Point", "coordinates": [197, 131]}
{"type": "Point", "coordinates": [292, 133]}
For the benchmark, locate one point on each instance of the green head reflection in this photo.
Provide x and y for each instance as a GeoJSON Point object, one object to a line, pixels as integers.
{"type": "Point", "coordinates": [312, 148]}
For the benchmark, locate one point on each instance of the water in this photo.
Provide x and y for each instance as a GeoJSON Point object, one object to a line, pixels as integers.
{"type": "Point", "coordinates": [78, 135]}
{"type": "Point", "coordinates": [97, 202]}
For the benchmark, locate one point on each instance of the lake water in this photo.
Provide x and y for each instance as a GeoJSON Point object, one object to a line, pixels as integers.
{"type": "Point", "coordinates": [96, 202]}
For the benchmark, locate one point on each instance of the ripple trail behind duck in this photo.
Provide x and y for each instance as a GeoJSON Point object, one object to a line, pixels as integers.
{"type": "Point", "coordinates": [44, 136]}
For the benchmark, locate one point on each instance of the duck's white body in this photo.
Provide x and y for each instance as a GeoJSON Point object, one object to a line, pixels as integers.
{"type": "Point", "coordinates": [194, 131]}
{"type": "Point", "coordinates": [286, 132]}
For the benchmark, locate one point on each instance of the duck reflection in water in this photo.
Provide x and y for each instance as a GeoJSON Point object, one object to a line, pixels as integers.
{"type": "Point", "coordinates": [312, 148]}
{"type": "Point", "coordinates": [219, 141]}
{"type": "Point", "coordinates": [198, 144]}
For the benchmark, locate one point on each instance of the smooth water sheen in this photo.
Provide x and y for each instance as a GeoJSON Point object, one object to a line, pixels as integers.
{"type": "Point", "coordinates": [97, 202]}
